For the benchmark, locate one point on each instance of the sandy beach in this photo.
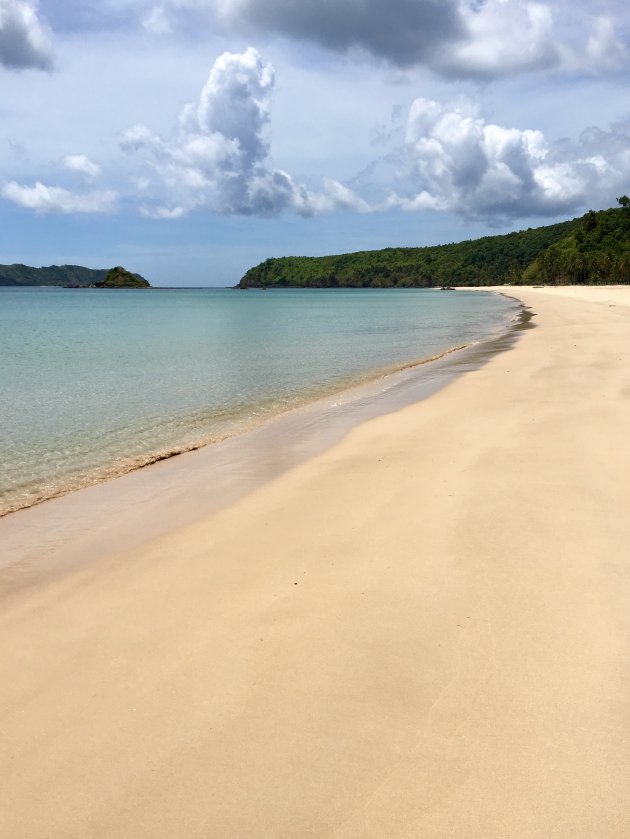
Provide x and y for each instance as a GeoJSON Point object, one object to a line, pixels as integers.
{"type": "Point", "coordinates": [421, 632]}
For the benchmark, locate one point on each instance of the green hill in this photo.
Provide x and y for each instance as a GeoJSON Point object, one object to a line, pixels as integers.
{"type": "Point", "coordinates": [591, 249]}
{"type": "Point", "coordinates": [53, 275]}
{"type": "Point", "coordinates": [64, 275]}
{"type": "Point", "coordinates": [596, 251]}
{"type": "Point", "coordinates": [118, 277]}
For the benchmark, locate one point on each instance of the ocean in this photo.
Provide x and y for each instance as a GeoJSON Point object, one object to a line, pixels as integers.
{"type": "Point", "coordinates": [95, 383]}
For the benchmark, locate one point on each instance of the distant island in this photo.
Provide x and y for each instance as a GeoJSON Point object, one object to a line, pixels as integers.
{"type": "Point", "coordinates": [70, 276]}
{"type": "Point", "coordinates": [594, 248]}
{"type": "Point", "coordinates": [119, 277]}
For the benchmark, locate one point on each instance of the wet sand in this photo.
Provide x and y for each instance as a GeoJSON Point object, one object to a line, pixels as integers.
{"type": "Point", "coordinates": [111, 517]}
{"type": "Point", "coordinates": [423, 631]}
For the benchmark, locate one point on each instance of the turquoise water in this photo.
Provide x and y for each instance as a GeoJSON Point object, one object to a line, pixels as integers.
{"type": "Point", "coordinates": [94, 383]}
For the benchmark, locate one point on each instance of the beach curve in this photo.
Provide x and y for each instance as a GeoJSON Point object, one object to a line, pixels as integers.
{"type": "Point", "coordinates": [422, 631]}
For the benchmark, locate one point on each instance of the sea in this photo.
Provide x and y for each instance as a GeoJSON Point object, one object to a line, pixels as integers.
{"type": "Point", "coordinates": [95, 383]}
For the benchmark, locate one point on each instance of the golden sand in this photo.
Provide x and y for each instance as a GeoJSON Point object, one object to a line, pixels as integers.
{"type": "Point", "coordinates": [423, 632]}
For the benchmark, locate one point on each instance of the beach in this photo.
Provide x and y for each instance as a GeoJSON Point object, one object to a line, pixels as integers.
{"type": "Point", "coordinates": [421, 631]}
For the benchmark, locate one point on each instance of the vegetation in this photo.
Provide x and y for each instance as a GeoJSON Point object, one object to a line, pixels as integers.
{"type": "Point", "coordinates": [596, 251]}
{"type": "Point", "coordinates": [118, 277]}
{"type": "Point", "coordinates": [53, 275]}
{"type": "Point", "coordinates": [591, 249]}
{"type": "Point", "coordinates": [73, 276]}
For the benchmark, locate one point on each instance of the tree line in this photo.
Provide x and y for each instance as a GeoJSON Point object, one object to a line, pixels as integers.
{"type": "Point", "coordinates": [592, 249]}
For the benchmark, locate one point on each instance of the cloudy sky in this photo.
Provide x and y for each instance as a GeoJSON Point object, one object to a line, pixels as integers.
{"type": "Point", "coordinates": [190, 139]}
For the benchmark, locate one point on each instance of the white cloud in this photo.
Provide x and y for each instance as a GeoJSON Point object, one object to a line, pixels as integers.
{"type": "Point", "coordinates": [338, 196]}
{"type": "Point", "coordinates": [604, 50]}
{"type": "Point", "coordinates": [25, 42]}
{"type": "Point", "coordinates": [156, 21]}
{"type": "Point", "coordinates": [456, 161]}
{"type": "Point", "coordinates": [83, 165]}
{"type": "Point", "coordinates": [503, 37]}
{"type": "Point", "coordinates": [216, 158]}
{"type": "Point", "coordinates": [162, 212]}
{"type": "Point", "coordinates": [54, 199]}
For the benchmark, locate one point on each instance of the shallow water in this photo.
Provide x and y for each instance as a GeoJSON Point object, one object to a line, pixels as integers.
{"type": "Point", "coordinates": [94, 383]}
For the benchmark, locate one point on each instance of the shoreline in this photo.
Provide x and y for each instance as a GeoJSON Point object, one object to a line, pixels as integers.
{"type": "Point", "coordinates": [311, 396]}
{"type": "Point", "coordinates": [421, 631]}
{"type": "Point", "coordinates": [238, 464]}
{"type": "Point", "coordinates": [127, 465]}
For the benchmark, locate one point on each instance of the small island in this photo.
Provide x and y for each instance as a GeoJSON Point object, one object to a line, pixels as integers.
{"type": "Point", "coordinates": [119, 277]}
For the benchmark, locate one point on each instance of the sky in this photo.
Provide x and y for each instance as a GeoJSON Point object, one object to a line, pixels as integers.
{"type": "Point", "coordinates": [191, 139]}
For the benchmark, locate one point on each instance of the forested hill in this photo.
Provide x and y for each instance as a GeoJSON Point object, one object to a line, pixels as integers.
{"type": "Point", "coordinates": [57, 275]}
{"type": "Point", "coordinates": [74, 276]}
{"type": "Point", "coordinates": [592, 249]}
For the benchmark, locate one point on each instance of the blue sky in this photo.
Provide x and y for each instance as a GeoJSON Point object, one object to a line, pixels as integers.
{"type": "Point", "coordinates": [190, 139]}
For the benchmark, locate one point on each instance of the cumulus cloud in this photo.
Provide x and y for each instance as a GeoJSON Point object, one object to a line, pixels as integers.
{"type": "Point", "coordinates": [54, 199]}
{"type": "Point", "coordinates": [25, 42]}
{"type": "Point", "coordinates": [216, 158]}
{"type": "Point", "coordinates": [456, 161]}
{"type": "Point", "coordinates": [83, 165]}
{"type": "Point", "coordinates": [452, 159]}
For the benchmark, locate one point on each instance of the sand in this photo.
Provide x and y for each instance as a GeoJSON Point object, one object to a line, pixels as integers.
{"type": "Point", "coordinates": [422, 632]}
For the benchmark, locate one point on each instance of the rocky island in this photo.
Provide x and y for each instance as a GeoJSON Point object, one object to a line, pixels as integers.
{"type": "Point", "coordinates": [119, 277]}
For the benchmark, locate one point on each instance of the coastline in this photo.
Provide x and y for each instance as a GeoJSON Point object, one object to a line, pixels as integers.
{"type": "Point", "coordinates": [163, 437]}
{"type": "Point", "coordinates": [421, 631]}
{"type": "Point", "coordinates": [178, 488]}
{"type": "Point", "coordinates": [133, 464]}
